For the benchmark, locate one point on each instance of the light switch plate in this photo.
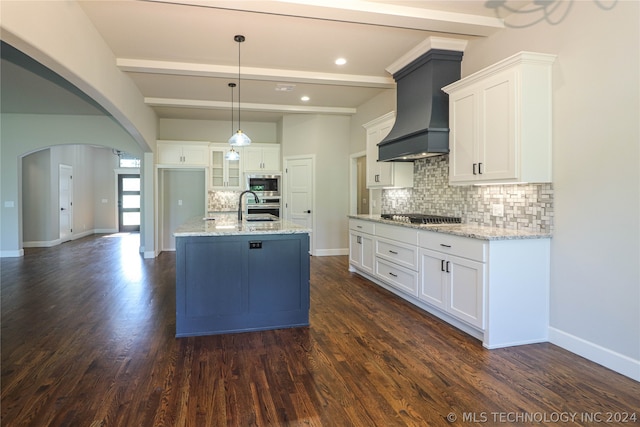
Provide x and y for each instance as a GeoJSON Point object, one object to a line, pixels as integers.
{"type": "Point", "coordinates": [497, 210]}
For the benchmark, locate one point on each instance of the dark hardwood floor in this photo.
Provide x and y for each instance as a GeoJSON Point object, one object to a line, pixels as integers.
{"type": "Point", "coordinates": [88, 340]}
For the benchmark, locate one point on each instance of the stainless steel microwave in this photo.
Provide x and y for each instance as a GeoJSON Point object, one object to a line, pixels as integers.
{"type": "Point", "coordinates": [265, 185]}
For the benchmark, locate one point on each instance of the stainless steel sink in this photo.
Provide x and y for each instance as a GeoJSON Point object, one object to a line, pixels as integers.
{"type": "Point", "coordinates": [260, 218]}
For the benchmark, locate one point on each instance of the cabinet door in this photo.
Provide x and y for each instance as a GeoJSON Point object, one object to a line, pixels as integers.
{"type": "Point", "coordinates": [252, 158]}
{"type": "Point", "coordinates": [432, 283]}
{"type": "Point", "coordinates": [271, 159]}
{"type": "Point", "coordinates": [169, 154]}
{"type": "Point", "coordinates": [379, 174]}
{"type": "Point", "coordinates": [361, 254]}
{"type": "Point", "coordinates": [195, 155]}
{"type": "Point", "coordinates": [463, 117]}
{"type": "Point", "coordinates": [497, 144]}
{"type": "Point", "coordinates": [217, 175]}
{"type": "Point", "coordinates": [234, 173]}
{"type": "Point", "coordinates": [466, 290]}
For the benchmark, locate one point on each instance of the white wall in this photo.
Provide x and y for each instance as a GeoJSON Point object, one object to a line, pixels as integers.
{"type": "Point", "coordinates": [595, 276]}
{"type": "Point", "coordinates": [93, 180]}
{"type": "Point", "coordinates": [214, 131]}
{"type": "Point", "coordinates": [183, 195]}
{"type": "Point", "coordinates": [22, 134]}
{"type": "Point", "coordinates": [36, 202]}
{"type": "Point", "coordinates": [328, 138]}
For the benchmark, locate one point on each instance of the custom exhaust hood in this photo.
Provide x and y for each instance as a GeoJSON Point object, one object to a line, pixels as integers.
{"type": "Point", "coordinates": [422, 120]}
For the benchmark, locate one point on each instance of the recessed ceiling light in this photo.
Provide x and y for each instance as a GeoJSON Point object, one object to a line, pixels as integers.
{"type": "Point", "coordinates": [341, 61]}
{"type": "Point", "coordinates": [305, 98]}
{"type": "Point", "coordinates": [285, 87]}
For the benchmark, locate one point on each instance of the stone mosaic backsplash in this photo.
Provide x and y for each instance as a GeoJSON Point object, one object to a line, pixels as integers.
{"type": "Point", "coordinates": [222, 201]}
{"type": "Point", "coordinates": [526, 206]}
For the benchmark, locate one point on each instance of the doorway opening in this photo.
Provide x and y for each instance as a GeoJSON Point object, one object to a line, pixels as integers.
{"type": "Point", "coordinates": [129, 203]}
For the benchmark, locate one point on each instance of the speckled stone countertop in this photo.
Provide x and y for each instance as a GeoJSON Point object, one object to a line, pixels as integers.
{"type": "Point", "coordinates": [465, 230]}
{"type": "Point", "coordinates": [226, 224]}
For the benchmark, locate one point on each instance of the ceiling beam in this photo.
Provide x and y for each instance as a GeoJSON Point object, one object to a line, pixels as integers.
{"type": "Point", "coordinates": [362, 12]}
{"type": "Point", "coordinates": [247, 106]}
{"type": "Point", "coordinates": [252, 73]}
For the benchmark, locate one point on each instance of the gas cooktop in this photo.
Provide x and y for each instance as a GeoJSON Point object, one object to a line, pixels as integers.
{"type": "Point", "coordinates": [422, 218]}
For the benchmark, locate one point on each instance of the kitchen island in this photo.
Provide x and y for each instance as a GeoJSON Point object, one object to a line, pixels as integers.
{"type": "Point", "coordinates": [238, 276]}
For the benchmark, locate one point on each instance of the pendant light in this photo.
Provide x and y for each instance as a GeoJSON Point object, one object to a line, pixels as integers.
{"type": "Point", "coordinates": [239, 139]}
{"type": "Point", "coordinates": [232, 154]}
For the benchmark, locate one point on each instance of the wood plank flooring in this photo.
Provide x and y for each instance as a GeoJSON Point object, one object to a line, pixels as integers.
{"type": "Point", "coordinates": [88, 340]}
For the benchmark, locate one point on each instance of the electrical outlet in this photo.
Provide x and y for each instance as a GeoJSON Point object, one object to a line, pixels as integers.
{"type": "Point", "coordinates": [497, 210]}
{"type": "Point", "coordinates": [179, 202]}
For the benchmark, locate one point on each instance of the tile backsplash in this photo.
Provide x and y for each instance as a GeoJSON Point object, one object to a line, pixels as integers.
{"type": "Point", "coordinates": [222, 201]}
{"type": "Point", "coordinates": [526, 206]}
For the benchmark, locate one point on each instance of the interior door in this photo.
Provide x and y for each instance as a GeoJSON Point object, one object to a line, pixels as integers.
{"type": "Point", "coordinates": [65, 195]}
{"type": "Point", "coordinates": [299, 186]}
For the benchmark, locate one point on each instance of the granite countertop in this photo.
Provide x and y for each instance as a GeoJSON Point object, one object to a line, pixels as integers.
{"type": "Point", "coordinates": [226, 224]}
{"type": "Point", "coordinates": [465, 230]}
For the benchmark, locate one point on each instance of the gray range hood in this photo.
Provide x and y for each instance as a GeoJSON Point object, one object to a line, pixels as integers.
{"type": "Point", "coordinates": [422, 120]}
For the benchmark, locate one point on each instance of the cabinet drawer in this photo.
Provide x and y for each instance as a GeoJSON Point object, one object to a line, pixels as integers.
{"type": "Point", "coordinates": [400, 278]}
{"type": "Point", "coordinates": [399, 253]}
{"type": "Point", "coordinates": [455, 245]}
{"type": "Point", "coordinates": [361, 226]}
{"type": "Point", "coordinates": [398, 232]}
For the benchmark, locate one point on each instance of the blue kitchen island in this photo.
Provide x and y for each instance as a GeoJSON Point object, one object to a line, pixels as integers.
{"type": "Point", "coordinates": [239, 276]}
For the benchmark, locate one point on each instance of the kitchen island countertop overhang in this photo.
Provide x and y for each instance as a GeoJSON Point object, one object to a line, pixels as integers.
{"type": "Point", "coordinates": [239, 276]}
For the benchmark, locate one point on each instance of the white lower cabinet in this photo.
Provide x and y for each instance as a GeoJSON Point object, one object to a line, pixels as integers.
{"type": "Point", "coordinates": [361, 245]}
{"type": "Point", "coordinates": [495, 290]}
{"type": "Point", "coordinates": [453, 284]}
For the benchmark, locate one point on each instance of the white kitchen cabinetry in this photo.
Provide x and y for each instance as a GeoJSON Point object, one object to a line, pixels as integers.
{"type": "Point", "coordinates": [183, 153]}
{"type": "Point", "coordinates": [361, 243]}
{"type": "Point", "coordinates": [500, 120]}
{"type": "Point", "coordinates": [262, 158]}
{"type": "Point", "coordinates": [396, 257]}
{"type": "Point", "coordinates": [225, 174]}
{"type": "Point", "coordinates": [453, 283]}
{"type": "Point", "coordinates": [497, 287]}
{"type": "Point", "coordinates": [495, 290]}
{"type": "Point", "coordinates": [384, 174]}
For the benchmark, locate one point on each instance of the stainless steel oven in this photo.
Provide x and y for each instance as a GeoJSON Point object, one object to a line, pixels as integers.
{"type": "Point", "coordinates": [267, 205]}
{"type": "Point", "coordinates": [265, 185]}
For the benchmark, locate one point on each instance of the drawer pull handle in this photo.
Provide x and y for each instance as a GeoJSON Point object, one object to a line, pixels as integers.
{"type": "Point", "coordinates": [442, 265]}
{"type": "Point", "coordinates": [445, 246]}
{"type": "Point", "coordinates": [393, 252]}
{"type": "Point", "coordinates": [394, 275]}
{"type": "Point", "coordinates": [447, 270]}
{"type": "Point", "coordinates": [358, 226]}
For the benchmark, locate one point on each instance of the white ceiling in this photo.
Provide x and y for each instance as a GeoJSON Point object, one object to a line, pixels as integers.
{"type": "Point", "coordinates": [182, 55]}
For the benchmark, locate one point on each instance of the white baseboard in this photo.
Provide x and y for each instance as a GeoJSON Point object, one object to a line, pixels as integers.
{"type": "Point", "coordinates": [12, 254]}
{"type": "Point", "coordinates": [332, 252]}
{"type": "Point", "coordinates": [105, 231]}
{"type": "Point", "coordinates": [41, 243]}
{"type": "Point", "coordinates": [596, 353]}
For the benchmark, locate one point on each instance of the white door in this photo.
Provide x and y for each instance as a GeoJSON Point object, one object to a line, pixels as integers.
{"type": "Point", "coordinates": [299, 184]}
{"type": "Point", "coordinates": [65, 194]}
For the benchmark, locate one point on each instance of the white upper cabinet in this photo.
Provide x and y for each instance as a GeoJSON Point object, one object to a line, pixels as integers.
{"type": "Point", "coordinates": [500, 120]}
{"type": "Point", "coordinates": [262, 158]}
{"type": "Point", "coordinates": [384, 174]}
{"type": "Point", "coordinates": [225, 174]}
{"type": "Point", "coordinates": [183, 153]}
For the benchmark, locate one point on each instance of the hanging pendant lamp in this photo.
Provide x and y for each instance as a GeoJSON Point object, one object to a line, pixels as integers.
{"type": "Point", "coordinates": [239, 139]}
{"type": "Point", "coordinates": [232, 154]}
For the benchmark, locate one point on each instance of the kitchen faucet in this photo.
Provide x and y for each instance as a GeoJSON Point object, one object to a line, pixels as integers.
{"type": "Point", "coordinates": [240, 202]}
